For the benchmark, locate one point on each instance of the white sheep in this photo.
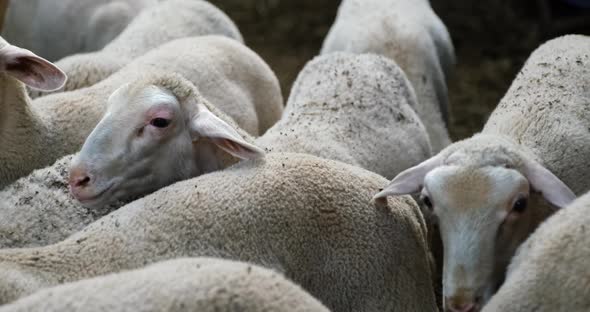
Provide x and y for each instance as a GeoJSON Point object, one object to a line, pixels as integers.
{"type": "Point", "coordinates": [550, 270]}
{"type": "Point", "coordinates": [409, 32]}
{"type": "Point", "coordinates": [311, 219]}
{"type": "Point", "coordinates": [160, 117]}
{"type": "Point", "coordinates": [55, 29]}
{"type": "Point", "coordinates": [181, 18]}
{"type": "Point", "coordinates": [38, 209]}
{"type": "Point", "coordinates": [188, 284]}
{"type": "Point", "coordinates": [358, 109]}
{"type": "Point", "coordinates": [533, 149]}
{"type": "Point", "coordinates": [35, 134]}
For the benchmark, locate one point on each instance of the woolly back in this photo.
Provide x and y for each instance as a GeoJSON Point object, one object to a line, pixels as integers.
{"type": "Point", "coordinates": [187, 284]}
{"type": "Point", "coordinates": [358, 109]}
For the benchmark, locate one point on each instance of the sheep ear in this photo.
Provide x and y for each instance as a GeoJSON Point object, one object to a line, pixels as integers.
{"type": "Point", "coordinates": [224, 136]}
{"type": "Point", "coordinates": [545, 182]}
{"type": "Point", "coordinates": [410, 181]}
{"type": "Point", "coordinates": [32, 70]}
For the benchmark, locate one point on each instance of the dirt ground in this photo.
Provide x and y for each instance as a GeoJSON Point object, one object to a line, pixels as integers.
{"type": "Point", "coordinates": [492, 40]}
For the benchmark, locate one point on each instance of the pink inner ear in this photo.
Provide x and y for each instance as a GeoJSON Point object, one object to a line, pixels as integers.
{"type": "Point", "coordinates": [224, 136]}
{"type": "Point", "coordinates": [236, 149]}
{"type": "Point", "coordinates": [552, 188]}
{"type": "Point", "coordinates": [410, 180]}
{"type": "Point", "coordinates": [32, 70]}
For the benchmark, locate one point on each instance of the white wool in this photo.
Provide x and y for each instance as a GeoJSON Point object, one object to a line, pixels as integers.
{"type": "Point", "coordinates": [409, 32]}
{"type": "Point", "coordinates": [189, 284]}
{"type": "Point", "coordinates": [358, 109]}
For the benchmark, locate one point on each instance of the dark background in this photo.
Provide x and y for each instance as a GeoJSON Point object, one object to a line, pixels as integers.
{"type": "Point", "coordinates": [492, 40]}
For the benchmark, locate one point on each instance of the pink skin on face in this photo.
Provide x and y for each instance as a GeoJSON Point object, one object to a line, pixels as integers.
{"type": "Point", "coordinates": [163, 112]}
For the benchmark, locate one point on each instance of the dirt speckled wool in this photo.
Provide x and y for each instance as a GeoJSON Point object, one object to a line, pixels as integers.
{"type": "Point", "coordinates": [311, 219]}
{"type": "Point", "coordinates": [190, 284]}
{"type": "Point", "coordinates": [409, 32]}
{"type": "Point", "coordinates": [183, 18]}
{"type": "Point", "coordinates": [358, 109]}
{"type": "Point", "coordinates": [38, 209]}
{"type": "Point", "coordinates": [550, 271]}
{"type": "Point", "coordinates": [228, 74]}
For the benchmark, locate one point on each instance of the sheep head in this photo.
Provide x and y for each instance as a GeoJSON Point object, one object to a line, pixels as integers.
{"type": "Point", "coordinates": [482, 194]}
{"type": "Point", "coordinates": [154, 133]}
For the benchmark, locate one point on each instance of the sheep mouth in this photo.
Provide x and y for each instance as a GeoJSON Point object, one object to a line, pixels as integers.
{"type": "Point", "coordinates": [93, 197]}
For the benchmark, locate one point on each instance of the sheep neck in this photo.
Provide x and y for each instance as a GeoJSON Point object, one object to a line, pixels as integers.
{"type": "Point", "coordinates": [15, 105]}
{"type": "Point", "coordinates": [21, 131]}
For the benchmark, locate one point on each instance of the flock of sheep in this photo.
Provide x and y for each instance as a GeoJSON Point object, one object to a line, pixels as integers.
{"type": "Point", "coordinates": [163, 173]}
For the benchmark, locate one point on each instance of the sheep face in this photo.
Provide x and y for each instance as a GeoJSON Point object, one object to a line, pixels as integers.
{"type": "Point", "coordinates": [480, 212]}
{"type": "Point", "coordinates": [118, 157]}
{"type": "Point", "coordinates": [148, 139]}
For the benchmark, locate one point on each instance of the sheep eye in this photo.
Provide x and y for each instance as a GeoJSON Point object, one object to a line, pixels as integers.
{"type": "Point", "coordinates": [160, 122]}
{"type": "Point", "coordinates": [427, 202]}
{"type": "Point", "coordinates": [520, 205]}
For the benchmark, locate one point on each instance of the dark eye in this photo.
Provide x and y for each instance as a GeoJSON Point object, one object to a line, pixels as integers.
{"type": "Point", "coordinates": [520, 205]}
{"type": "Point", "coordinates": [427, 202]}
{"type": "Point", "coordinates": [160, 122]}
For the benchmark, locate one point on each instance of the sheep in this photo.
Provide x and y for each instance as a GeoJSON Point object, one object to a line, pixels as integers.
{"type": "Point", "coordinates": [188, 284]}
{"type": "Point", "coordinates": [309, 218]}
{"type": "Point", "coordinates": [38, 210]}
{"type": "Point", "coordinates": [35, 134]}
{"type": "Point", "coordinates": [163, 117]}
{"type": "Point", "coordinates": [536, 141]}
{"type": "Point", "coordinates": [549, 271]}
{"type": "Point", "coordinates": [373, 99]}
{"type": "Point", "coordinates": [55, 29]}
{"type": "Point", "coordinates": [183, 18]}
{"type": "Point", "coordinates": [409, 32]}
{"type": "Point", "coordinates": [358, 109]}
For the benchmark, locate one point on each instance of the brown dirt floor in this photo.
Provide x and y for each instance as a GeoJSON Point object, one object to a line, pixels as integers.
{"type": "Point", "coordinates": [492, 40]}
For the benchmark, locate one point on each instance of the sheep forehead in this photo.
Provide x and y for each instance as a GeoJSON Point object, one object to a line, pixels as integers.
{"type": "Point", "coordinates": [481, 151]}
{"type": "Point", "coordinates": [135, 99]}
{"type": "Point", "coordinates": [467, 188]}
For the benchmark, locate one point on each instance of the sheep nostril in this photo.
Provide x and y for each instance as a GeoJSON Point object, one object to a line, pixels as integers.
{"type": "Point", "coordinates": [81, 181]}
